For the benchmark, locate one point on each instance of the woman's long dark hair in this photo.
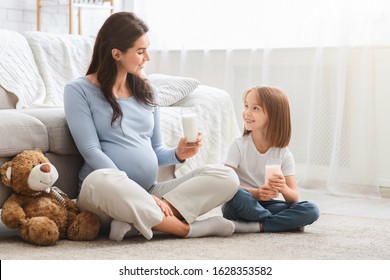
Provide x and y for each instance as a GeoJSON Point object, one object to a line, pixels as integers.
{"type": "Point", "coordinates": [119, 31]}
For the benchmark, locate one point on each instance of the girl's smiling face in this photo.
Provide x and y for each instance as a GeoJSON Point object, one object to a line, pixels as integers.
{"type": "Point", "coordinates": [254, 116]}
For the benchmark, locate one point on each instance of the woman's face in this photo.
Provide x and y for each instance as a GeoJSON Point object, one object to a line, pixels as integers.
{"type": "Point", "coordinates": [133, 60]}
{"type": "Point", "coordinates": [254, 115]}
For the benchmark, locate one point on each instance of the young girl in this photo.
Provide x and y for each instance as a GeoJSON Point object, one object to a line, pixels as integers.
{"type": "Point", "coordinates": [267, 133]}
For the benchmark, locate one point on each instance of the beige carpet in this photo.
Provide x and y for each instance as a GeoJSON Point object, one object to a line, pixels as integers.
{"type": "Point", "coordinates": [332, 237]}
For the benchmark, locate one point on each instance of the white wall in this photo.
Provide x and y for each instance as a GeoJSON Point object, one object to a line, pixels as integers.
{"type": "Point", "coordinates": [21, 15]}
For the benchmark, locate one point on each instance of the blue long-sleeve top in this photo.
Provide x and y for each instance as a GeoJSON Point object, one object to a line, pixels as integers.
{"type": "Point", "coordinates": [134, 145]}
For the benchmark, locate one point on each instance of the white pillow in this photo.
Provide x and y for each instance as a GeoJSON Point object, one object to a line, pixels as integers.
{"type": "Point", "coordinates": [171, 89]}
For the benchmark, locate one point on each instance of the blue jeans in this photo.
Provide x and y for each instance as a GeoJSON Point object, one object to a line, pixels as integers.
{"type": "Point", "coordinates": [275, 215]}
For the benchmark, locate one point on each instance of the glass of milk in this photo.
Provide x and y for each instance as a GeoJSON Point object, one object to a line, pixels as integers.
{"type": "Point", "coordinates": [190, 126]}
{"type": "Point", "coordinates": [273, 167]}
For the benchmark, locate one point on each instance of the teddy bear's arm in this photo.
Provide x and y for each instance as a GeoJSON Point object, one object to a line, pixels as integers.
{"type": "Point", "coordinates": [13, 214]}
{"type": "Point", "coordinates": [71, 208]}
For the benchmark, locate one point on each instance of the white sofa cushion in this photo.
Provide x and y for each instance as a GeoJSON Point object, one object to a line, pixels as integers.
{"type": "Point", "coordinates": [18, 72]}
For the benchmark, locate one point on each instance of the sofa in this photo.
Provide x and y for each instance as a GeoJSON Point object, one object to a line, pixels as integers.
{"type": "Point", "coordinates": [35, 66]}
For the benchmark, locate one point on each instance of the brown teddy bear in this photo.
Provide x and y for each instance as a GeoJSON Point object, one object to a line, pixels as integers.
{"type": "Point", "coordinates": [42, 213]}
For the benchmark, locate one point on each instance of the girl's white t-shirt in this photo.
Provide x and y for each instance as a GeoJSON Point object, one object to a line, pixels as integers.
{"type": "Point", "coordinates": [250, 163]}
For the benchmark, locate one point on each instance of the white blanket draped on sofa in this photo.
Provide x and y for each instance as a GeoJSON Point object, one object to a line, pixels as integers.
{"type": "Point", "coordinates": [18, 71]}
{"type": "Point", "coordinates": [60, 59]}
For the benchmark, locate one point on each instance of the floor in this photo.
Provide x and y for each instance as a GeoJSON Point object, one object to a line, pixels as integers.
{"type": "Point", "coordinates": [375, 208]}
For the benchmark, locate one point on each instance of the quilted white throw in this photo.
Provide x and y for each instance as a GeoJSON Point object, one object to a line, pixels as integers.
{"type": "Point", "coordinates": [18, 71]}
{"type": "Point", "coordinates": [60, 59]}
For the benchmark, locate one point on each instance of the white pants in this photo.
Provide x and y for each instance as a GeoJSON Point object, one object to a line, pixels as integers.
{"type": "Point", "coordinates": [110, 194]}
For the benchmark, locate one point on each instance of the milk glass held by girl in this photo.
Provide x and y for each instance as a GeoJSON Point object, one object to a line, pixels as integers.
{"type": "Point", "coordinates": [114, 118]}
{"type": "Point", "coordinates": [270, 205]}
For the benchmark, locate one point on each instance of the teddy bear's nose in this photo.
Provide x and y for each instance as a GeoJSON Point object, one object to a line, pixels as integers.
{"type": "Point", "coordinates": [45, 168]}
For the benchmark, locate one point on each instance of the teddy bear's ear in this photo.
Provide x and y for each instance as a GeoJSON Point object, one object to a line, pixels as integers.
{"type": "Point", "coordinates": [6, 170]}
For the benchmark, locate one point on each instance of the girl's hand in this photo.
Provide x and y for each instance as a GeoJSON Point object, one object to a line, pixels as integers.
{"type": "Point", "coordinates": [186, 150]}
{"type": "Point", "coordinates": [163, 206]}
{"type": "Point", "coordinates": [265, 193]}
{"type": "Point", "coordinates": [278, 183]}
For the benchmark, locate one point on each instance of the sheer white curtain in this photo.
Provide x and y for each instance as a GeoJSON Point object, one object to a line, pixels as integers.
{"type": "Point", "coordinates": [320, 52]}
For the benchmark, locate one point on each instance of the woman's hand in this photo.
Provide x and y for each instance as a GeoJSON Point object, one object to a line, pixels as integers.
{"type": "Point", "coordinates": [186, 150]}
{"type": "Point", "coordinates": [163, 206]}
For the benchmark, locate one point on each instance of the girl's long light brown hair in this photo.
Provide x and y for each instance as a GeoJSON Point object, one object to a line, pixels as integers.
{"type": "Point", "coordinates": [275, 104]}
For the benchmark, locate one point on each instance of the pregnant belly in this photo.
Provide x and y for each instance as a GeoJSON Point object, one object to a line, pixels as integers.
{"type": "Point", "coordinates": [140, 165]}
